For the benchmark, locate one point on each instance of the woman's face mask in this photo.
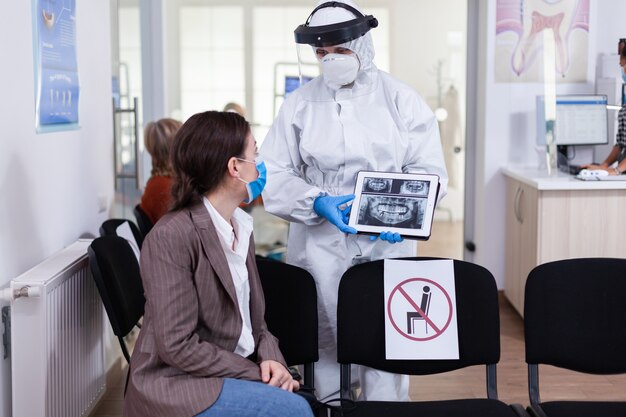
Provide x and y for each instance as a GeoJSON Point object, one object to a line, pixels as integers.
{"type": "Point", "coordinates": [339, 69]}
{"type": "Point", "coordinates": [255, 187]}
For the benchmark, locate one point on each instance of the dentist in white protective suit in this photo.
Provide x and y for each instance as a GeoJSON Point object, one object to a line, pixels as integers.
{"type": "Point", "coordinates": [351, 118]}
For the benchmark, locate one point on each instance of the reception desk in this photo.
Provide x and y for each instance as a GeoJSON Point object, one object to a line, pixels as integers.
{"type": "Point", "coordinates": [558, 217]}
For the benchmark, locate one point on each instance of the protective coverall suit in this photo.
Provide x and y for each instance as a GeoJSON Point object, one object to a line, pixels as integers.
{"type": "Point", "coordinates": [321, 138]}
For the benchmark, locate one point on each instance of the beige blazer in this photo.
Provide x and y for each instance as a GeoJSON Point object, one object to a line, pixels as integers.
{"type": "Point", "coordinates": [192, 322]}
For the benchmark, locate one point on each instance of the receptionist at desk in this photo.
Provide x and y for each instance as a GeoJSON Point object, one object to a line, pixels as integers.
{"type": "Point", "coordinates": [618, 152]}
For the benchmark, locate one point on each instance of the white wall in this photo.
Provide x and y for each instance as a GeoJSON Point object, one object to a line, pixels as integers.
{"type": "Point", "coordinates": [507, 135]}
{"type": "Point", "coordinates": [54, 187]}
{"type": "Point", "coordinates": [610, 15]}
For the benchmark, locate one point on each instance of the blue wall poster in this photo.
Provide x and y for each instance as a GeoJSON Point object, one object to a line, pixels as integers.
{"type": "Point", "coordinates": [56, 70]}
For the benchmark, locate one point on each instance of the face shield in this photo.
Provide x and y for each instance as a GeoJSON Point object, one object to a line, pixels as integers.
{"type": "Point", "coordinates": [335, 33]}
{"type": "Point", "coordinates": [332, 29]}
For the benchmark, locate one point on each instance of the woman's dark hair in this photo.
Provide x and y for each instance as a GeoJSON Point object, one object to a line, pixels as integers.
{"type": "Point", "coordinates": [201, 151]}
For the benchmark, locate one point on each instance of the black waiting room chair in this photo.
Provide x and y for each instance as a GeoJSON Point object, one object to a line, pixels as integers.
{"type": "Point", "coordinates": [575, 319]}
{"type": "Point", "coordinates": [291, 316]}
{"type": "Point", "coordinates": [361, 340]}
{"type": "Point", "coordinates": [291, 289]}
{"type": "Point", "coordinates": [115, 270]}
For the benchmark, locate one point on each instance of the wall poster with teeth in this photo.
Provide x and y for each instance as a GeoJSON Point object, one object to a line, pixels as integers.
{"type": "Point", "coordinates": [521, 27]}
{"type": "Point", "coordinates": [394, 202]}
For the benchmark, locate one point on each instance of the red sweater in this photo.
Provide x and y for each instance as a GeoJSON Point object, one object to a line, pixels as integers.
{"type": "Point", "coordinates": [156, 198]}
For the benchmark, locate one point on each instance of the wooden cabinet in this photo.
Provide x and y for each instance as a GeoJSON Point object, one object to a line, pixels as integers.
{"type": "Point", "coordinates": [544, 225]}
{"type": "Point", "coordinates": [521, 239]}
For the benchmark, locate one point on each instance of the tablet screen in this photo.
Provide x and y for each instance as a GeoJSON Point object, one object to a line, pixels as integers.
{"type": "Point", "coordinates": [394, 202]}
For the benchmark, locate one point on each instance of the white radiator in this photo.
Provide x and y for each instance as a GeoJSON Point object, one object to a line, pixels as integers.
{"type": "Point", "coordinates": [56, 337]}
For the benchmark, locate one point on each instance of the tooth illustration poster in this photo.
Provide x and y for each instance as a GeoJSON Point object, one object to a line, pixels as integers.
{"type": "Point", "coordinates": [56, 69]}
{"type": "Point", "coordinates": [519, 39]}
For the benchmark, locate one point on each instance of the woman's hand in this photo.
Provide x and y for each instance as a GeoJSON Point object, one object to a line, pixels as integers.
{"type": "Point", "coordinates": [275, 374]}
{"type": "Point", "coordinates": [295, 385]}
{"type": "Point", "coordinates": [594, 167]}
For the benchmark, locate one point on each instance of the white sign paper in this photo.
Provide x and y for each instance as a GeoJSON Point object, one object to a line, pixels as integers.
{"type": "Point", "coordinates": [124, 231]}
{"type": "Point", "coordinates": [420, 310]}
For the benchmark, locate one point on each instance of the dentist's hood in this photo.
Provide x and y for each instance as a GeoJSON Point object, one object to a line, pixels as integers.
{"type": "Point", "coordinates": [363, 47]}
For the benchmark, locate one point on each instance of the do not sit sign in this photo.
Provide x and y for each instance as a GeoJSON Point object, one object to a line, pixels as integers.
{"type": "Point", "coordinates": [420, 310]}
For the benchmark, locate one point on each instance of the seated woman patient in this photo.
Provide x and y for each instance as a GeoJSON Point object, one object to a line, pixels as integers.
{"type": "Point", "coordinates": [158, 137]}
{"type": "Point", "coordinates": [204, 348]}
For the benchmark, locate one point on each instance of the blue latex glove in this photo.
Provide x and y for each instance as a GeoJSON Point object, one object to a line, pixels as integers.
{"type": "Point", "coordinates": [328, 207]}
{"type": "Point", "coordinates": [389, 237]}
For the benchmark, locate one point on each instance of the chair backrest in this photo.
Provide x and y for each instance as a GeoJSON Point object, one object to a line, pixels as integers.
{"type": "Point", "coordinates": [116, 272]}
{"type": "Point", "coordinates": [361, 321]}
{"type": "Point", "coordinates": [574, 314]}
{"type": "Point", "coordinates": [291, 289]}
{"type": "Point", "coordinates": [143, 221]}
{"type": "Point", "coordinates": [109, 228]}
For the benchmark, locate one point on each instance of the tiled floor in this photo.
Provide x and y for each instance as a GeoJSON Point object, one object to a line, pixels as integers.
{"type": "Point", "coordinates": [446, 241]}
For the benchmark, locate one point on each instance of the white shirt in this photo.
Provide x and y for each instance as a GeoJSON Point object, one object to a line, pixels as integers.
{"type": "Point", "coordinates": [235, 241]}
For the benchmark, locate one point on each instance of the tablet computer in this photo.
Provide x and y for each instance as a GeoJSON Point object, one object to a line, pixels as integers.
{"type": "Point", "coordinates": [394, 202]}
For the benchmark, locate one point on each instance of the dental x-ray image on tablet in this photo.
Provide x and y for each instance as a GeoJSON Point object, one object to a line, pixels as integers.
{"type": "Point", "coordinates": [391, 211]}
{"type": "Point", "coordinates": [377, 185]}
{"type": "Point", "coordinates": [396, 202]}
{"type": "Point", "coordinates": [414, 187]}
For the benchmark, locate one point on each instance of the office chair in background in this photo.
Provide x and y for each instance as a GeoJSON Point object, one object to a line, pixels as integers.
{"type": "Point", "coordinates": [109, 228]}
{"type": "Point", "coordinates": [143, 221]}
{"type": "Point", "coordinates": [361, 340]}
{"type": "Point", "coordinates": [574, 318]}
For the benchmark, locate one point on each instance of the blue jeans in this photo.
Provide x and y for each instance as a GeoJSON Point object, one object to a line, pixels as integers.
{"type": "Point", "coordinates": [240, 398]}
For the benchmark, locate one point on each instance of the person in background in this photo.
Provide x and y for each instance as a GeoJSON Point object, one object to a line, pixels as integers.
{"type": "Point", "coordinates": [235, 107]}
{"type": "Point", "coordinates": [204, 349]}
{"type": "Point", "coordinates": [353, 117]}
{"type": "Point", "coordinates": [618, 152]}
{"type": "Point", "coordinates": [156, 198]}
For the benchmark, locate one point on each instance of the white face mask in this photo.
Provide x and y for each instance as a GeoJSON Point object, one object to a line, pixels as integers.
{"type": "Point", "coordinates": [339, 69]}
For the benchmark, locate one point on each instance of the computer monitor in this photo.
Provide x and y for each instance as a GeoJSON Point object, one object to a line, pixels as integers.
{"type": "Point", "coordinates": [580, 120]}
{"type": "Point", "coordinates": [292, 82]}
